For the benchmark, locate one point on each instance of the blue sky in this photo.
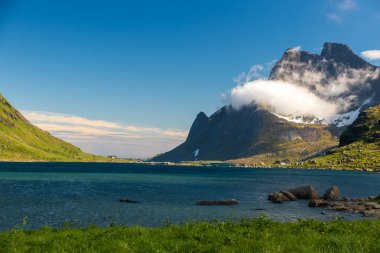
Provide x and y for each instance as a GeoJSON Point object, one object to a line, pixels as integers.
{"type": "Point", "coordinates": [156, 64]}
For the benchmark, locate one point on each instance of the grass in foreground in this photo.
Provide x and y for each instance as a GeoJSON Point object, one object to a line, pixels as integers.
{"type": "Point", "coordinates": [251, 235]}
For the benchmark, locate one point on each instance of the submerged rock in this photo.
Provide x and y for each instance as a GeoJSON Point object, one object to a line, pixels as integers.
{"type": "Point", "coordinates": [318, 203]}
{"type": "Point", "coordinates": [218, 202]}
{"type": "Point", "coordinates": [128, 201]}
{"type": "Point", "coordinates": [371, 213]}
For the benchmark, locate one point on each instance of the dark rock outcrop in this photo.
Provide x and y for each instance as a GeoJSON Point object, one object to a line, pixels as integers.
{"type": "Point", "coordinates": [279, 197]}
{"type": "Point", "coordinates": [365, 128]}
{"type": "Point", "coordinates": [365, 206]}
{"type": "Point", "coordinates": [332, 193]}
{"type": "Point", "coordinates": [301, 192]}
{"type": "Point", "coordinates": [304, 192]}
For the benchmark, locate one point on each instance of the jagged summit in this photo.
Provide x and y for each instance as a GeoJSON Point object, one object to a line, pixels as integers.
{"type": "Point", "coordinates": [293, 54]}
{"type": "Point", "coordinates": [335, 52]}
{"type": "Point", "coordinates": [198, 125]}
{"type": "Point", "coordinates": [343, 54]}
{"type": "Point", "coordinates": [334, 74]}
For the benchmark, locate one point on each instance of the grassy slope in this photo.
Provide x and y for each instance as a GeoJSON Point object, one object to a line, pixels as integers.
{"type": "Point", "coordinates": [21, 141]}
{"type": "Point", "coordinates": [364, 152]}
{"type": "Point", "coordinates": [253, 235]}
{"type": "Point", "coordinates": [292, 150]}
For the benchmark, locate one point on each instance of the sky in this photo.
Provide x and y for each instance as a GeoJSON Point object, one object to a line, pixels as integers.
{"type": "Point", "coordinates": [129, 77]}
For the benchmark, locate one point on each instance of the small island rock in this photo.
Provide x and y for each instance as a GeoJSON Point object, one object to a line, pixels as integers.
{"type": "Point", "coordinates": [304, 192]}
{"type": "Point", "coordinates": [332, 193]}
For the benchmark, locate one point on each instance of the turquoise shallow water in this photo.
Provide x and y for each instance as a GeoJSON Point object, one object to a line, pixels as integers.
{"type": "Point", "coordinates": [88, 193]}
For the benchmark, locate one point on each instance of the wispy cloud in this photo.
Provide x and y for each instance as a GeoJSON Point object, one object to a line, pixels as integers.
{"type": "Point", "coordinates": [257, 71]}
{"type": "Point", "coordinates": [334, 17]}
{"type": "Point", "coordinates": [340, 10]}
{"type": "Point", "coordinates": [104, 137]}
{"type": "Point", "coordinates": [347, 5]}
{"type": "Point", "coordinates": [371, 54]}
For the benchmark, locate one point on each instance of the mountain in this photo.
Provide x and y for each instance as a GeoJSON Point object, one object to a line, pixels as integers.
{"type": "Point", "coordinates": [336, 74]}
{"type": "Point", "coordinates": [255, 135]}
{"type": "Point", "coordinates": [22, 141]}
{"type": "Point", "coordinates": [250, 133]}
{"type": "Point", "coordinates": [359, 144]}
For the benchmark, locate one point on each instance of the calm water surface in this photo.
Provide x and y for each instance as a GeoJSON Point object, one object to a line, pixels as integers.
{"type": "Point", "coordinates": [88, 193]}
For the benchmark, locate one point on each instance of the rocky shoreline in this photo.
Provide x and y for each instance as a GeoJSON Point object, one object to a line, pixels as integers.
{"type": "Point", "coordinates": [368, 207]}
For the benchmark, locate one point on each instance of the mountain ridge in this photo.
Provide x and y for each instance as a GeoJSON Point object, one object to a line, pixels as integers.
{"type": "Point", "coordinates": [254, 135]}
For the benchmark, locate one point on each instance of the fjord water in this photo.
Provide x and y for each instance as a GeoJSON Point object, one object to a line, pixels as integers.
{"type": "Point", "coordinates": [55, 194]}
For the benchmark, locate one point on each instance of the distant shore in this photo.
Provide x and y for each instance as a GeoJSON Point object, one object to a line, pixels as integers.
{"type": "Point", "coordinates": [204, 164]}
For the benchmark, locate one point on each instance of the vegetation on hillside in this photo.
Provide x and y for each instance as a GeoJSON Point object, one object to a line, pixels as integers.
{"type": "Point", "coordinates": [22, 141]}
{"type": "Point", "coordinates": [360, 145]}
{"type": "Point", "coordinates": [250, 235]}
{"type": "Point", "coordinates": [276, 150]}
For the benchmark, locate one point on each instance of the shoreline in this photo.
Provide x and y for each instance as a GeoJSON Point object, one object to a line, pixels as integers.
{"type": "Point", "coordinates": [203, 164]}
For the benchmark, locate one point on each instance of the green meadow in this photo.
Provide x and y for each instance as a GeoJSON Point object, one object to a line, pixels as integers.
{"type": "Point", "coordinates": [249, 235]}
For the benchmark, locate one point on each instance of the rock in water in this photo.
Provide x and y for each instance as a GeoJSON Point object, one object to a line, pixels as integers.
{"type": "Point", "coordinates": [218, 202]}
{"type": "Point", "coordinates": [304, 192]}
{"type": "Point", "coordinates": [332, 193]}
{"type": "Point", "coordinates": [289, 195]}
{"type": "Point", "coordinates": [279, 197]}
{"type": "Point", "coordinates": [371, 213]}
{"type": "Point", "coordinates": [128, 201]}
{"type": "Point", "coordinates": [318, 203]}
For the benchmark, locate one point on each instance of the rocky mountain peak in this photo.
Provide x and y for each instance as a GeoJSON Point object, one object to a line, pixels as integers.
{"type": "Point", "coordinates": [343, 54]}
{"type": "Point", "coordinates": [295, 55]}
{"type": "Point", "coordinates": [198, 125]}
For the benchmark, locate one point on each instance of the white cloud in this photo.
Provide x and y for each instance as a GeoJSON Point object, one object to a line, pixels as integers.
{"type": "Point", "coordinates": [295, 49]}
{"type": "Point", "coordinates": [327, 86]}
{"type": "Point", "coordinates": [257, 71]}
{"type": "Point", "coordinates": [282, 98]}
{"type": "Point", "coordinates": [347, 5]}
{"type": "Point", "coordinates": [371, 54]}
{"type": "Point", "coordinates": [306, 92]}
{"type": "Point", "coordinates": [105, 138]}
{"type": "Point", "coordinates": [334, 17]}
{"type": "Point", "coordinates": [341, 10]}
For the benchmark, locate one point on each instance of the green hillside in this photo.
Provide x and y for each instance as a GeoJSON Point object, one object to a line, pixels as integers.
{"type": "Point", "coordinates": [359, 145]}
{"type": "Point", "coordinates": [276, 149]}
{"type": "Point", "coordinates": [22, 141]}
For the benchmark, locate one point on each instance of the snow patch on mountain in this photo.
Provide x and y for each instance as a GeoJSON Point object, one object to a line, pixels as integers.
{"type": "Point", "coordinates": [301, 119]}
{"type": "Point", "coordinates": [339, 120]}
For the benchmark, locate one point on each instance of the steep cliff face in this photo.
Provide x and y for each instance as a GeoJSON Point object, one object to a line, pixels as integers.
{"type": "Point", "coordinates": [254, 135]}
{"type": "Point", "coordinates": [366, 128]}
{"type": "Point", "coordinates": [237, 134]}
